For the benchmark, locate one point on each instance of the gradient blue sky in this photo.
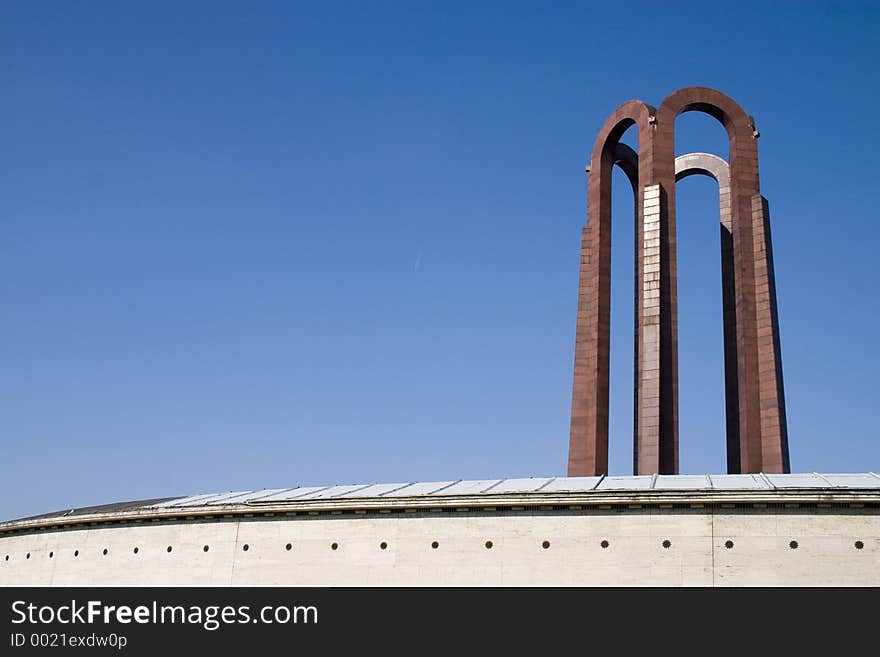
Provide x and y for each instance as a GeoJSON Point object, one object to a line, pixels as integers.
{"type": "Point", "coordinates": [269, 244]}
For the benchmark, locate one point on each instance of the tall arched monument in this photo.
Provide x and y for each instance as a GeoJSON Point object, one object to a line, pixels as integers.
{"type": "Point", "coordinates": [757, 439]}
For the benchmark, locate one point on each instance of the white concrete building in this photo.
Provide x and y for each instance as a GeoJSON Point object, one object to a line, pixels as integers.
{"type": "Point", "coordinates": [681, 530]}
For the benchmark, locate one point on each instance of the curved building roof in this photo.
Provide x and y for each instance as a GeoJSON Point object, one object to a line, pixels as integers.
{"type": "Point", "coordinates": [483, 492]}
{"type": "Point", "coordinates": [538, 485]}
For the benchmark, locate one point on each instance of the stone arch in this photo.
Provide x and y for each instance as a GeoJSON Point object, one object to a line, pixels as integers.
{"type": "Point", "coordinates": [761, 441]}
{"type": "Point", "coordinates": [706, 164]}
{"type": "Point", "coordinates": [588, 440]}
{"type": "Point", "coordinates": [627, 160]}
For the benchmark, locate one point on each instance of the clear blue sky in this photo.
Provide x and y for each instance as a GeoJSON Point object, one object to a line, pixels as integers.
{"type": "Point", "coordinates": [269, 244]}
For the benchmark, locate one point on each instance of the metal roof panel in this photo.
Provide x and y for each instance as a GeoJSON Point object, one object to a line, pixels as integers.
{"type": "Point", "coordinates": [562, 484]}
{"type": "Point", "coordinates": [183, 501]}
{"type": "Point", "coordinates": [373, 490]}
{"type": "Point", "coordinates": [333, 491]}
{"type": "Point", "coordinates": [682, 482]}
{"type": "Point", "coordinates": [292, 493]}
{"type": "Point", "coordinates": [801, 480]}
{"type": "Point", "coordinates": [853, 480]}
{"type": "Point", "coordinates": [524, 485]}
{"type": "Point", "coordinates": [249, 496]}
{"type": "Point", "coordinates": [474, 487]}
{"type": "Point", "coordinates": [637, 482]}
{"type": "Point", "coordinates": [738, 482]}
{"type": "Point", "coordinates": [217, 498]}
{"type": "Point", "coordinates": [420, 488]}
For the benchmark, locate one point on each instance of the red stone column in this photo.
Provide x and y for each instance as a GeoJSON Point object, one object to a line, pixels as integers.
{"type": "Point", "coordinates": [653, 262]}
{"type": "Point", "coordinates": [588, 441]}
{"type": "Point", "coordinates": [774, 433]}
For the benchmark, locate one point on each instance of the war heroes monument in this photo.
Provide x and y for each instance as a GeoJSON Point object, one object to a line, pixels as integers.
{"type": "Point", "coordinates": [755, 405]}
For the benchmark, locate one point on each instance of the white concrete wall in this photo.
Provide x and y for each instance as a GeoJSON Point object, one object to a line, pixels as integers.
{"type": "Point", "coordinates": [697, 557]}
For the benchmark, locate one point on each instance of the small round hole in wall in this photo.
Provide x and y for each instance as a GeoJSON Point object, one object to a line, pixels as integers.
{"type": "Point", "coordinates": [793, 545]}
{"type": "Point", "coordinates": [545, 544]}
{"type": "Point", "coordinates": [245, 547]}
{"type": "Point", "coordinates": [51, 554]}
{"type": "Point", "coordinates": [334, 546]}
{"type": "Point", "coordinates": [489, 545]}
{"type": "Point", "coordinates": [728, 545]}
{"type": "Point", "coordinates": [383, 545]}
{"type": "Point", "coordinates": [859, 545]}
{"type": "Point", "coordinates": [168, 549]}
{"type": "Point", "coordinates": [205, 548]}
{"type": "Point", "coordinates": [27, 556]}
{"type": "Point", "coordinates": [7, 558]}
{"type": "Point", "coordinates": [667, 544]}
{"type": "Point", "coordinates": [76, 553]}
{"type": "Point", "coordinates": [434, 546]}
{"type": "Point", "coordinates": [604, 544]}
{"type": "Point", "coordinates": [104, 552]}
{"type": "Point", "coordinates": [288, 547]}
{"type": "Point", "coordinates": [135, 550]}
